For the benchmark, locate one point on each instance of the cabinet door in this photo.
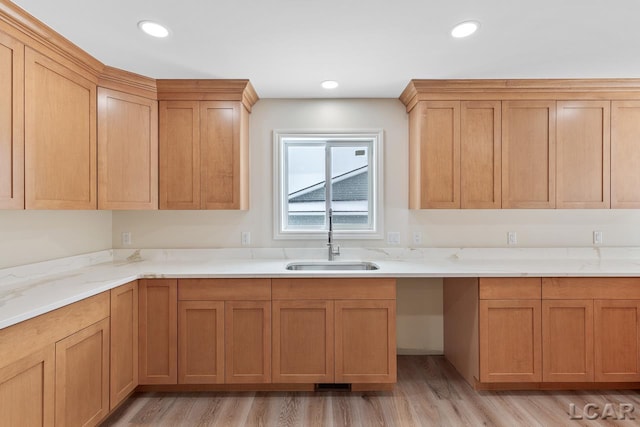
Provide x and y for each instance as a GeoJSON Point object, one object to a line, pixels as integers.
{"type": "Point", "coordinates": [82, 376]}
{"type": "Point", "coordinates": [625, 154]}
{"type": "Point", "coordinates": [247, 342]}
{"type": "Point", "coordinates": [617, 331]}
{"type": "Point", "coordinates": [201, 342]}
{"type": "Point", "coordinates": [220, 154]}
{"type": "Point", "coordinates": [127, 151]}
{"type": "Point", "coordinates": [179, 154]}
{"type": "Point", "coordinates": [365, 341]}
{"type": "Point", "coordinates": [60, 136]}
{"type": "Point", "coordinates": [303, 341]}
{"type": "Point", "coordinates": [510, 341]}
{"type": "Point", "coordinates": [583, 150]}
{"type": "Point", "coordinates": [158, 331]}
{"type": "Point", "coordinates": [481, 155]}
{"type": "Point", "coordinates": [567, 340]}
{"type": "Point", "coordinates": [434, 153]}
{"type": "Point", "coordinates": [27, 390]}
{"type": "Point", "coordinates": [124, 342]}
{"type": "Point", "coordinates": [11, 123]}
{"type": "Point", "coordinates": [528, 154]}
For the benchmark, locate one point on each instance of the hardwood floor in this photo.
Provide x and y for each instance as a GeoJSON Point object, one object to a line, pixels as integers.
{"type": "Point", "coordinates": [429, 393]}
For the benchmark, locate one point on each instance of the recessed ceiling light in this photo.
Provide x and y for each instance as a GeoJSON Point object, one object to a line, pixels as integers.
{"type": "Point", "coordinates": [329, 84]}
{"type": "Point", "coordinates": [153, 29]}
{"type": "Point", "coordinates": [465, 29]}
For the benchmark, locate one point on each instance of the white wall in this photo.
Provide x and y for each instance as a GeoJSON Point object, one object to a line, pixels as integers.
{"type": "Point", "coordinates": [33, 236]}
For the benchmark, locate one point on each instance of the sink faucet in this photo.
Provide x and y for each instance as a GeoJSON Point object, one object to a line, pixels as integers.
{"type": "Point", "coordinates": [333, 250]}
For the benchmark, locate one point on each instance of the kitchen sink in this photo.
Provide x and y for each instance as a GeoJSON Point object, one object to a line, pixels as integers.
{"type": "Point", "coordinates": [331, 266]}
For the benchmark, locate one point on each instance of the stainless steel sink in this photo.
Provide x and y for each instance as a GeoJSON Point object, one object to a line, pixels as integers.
{"type": "Point", "coordinates": [330, 266]}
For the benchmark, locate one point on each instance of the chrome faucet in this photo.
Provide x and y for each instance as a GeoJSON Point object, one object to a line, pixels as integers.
{"type": "Point", "coordinates": [333, 250]}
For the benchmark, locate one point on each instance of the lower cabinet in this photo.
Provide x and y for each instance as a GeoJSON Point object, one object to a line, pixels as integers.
{"type": "Point", "coordinates": [82, 376]}
{"type": "Point", "coordinates": [538, 331]}
{"type": "Point", "coordinates": [334, 330]}
{"type": "Point", "coordinates": [124, 342]}
{"type": "Point", "coordinates": [224, 331]}
{"type": "Point", "coordinates": [27, 390]}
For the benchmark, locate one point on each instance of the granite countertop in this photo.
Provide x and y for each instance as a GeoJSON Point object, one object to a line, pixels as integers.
{"type": "Point", "coordinates": [30, 290]}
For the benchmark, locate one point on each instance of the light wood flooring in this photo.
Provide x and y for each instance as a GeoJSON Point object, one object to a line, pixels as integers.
{"type": "Point", "coordinates": [429, 393]}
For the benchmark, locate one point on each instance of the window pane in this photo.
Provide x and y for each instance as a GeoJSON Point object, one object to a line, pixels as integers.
{"type": "Point", "coordinates": [306, 185]}
{"type": "Point", "coordinates": [350, 185]}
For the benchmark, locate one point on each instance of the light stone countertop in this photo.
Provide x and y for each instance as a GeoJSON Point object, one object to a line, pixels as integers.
{"type": "Point", "coordinates": [30, 290]}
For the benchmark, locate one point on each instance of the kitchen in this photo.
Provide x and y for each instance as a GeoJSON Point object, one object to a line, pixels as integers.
{"type": "Point", "coordinates": [32, 236]}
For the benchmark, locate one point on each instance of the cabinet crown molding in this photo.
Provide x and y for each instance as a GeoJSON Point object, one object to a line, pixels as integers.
{"type": "Point", "coordinates": [208, 90]}
{"type": "Point", "coordinates": [126, 81]}
{"type": "Point", "coordinates": [504, 89]}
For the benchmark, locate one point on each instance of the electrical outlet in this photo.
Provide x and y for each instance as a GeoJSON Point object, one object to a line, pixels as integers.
{"type": "Point", "coordinates": [597, 237]}
{"type": "Point", "coordinates": [512, 238]}
{"type": "Point", "coordinates": [125, 238]}
{"type": "Point", "coordinates": [393, 238]}
{"type": "Point", "coordinates": [245, 238]}
{"type": "Point", "coordinates": [417, 238]}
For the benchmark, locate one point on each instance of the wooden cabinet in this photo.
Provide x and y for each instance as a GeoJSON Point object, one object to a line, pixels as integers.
{"type": "Point", "coordinates": [567, 340]}
{"type": "Point", "coordinates": [480, 155]}
{"type": "Point", "coordinates": [204, 143]}
{"type": "Point", "coordinates": [124, 342]}
{"type": "Point", "coordinates": [224, 331]}
{"type": "Point", "coordinates": [617, 335]}
{"type": "Point", "coordinates": [27, 390]}
{"type": "Point", "coordinates": [158, 331]}
{"type": "Point", "coordinates": [127, 151]}
{"type": "Point", "coordinates": [625, 154]}
{"type": "Point", "coordinates": [583, 152]}
{"type": "Point", "coordinates": [528, 154]}
{"type": "Point", "coordinates": [82, 377]}
{"type": "Point", "coordinates": [334, 330]}
{"type": "Point", "coordinates": [303, 341]}
{"type": "Point", "coordinates": [455, 157]}
{"type": "Point", "coordinates": [60, 136]}
{"type": "Point", "coordinates": [11, 123]}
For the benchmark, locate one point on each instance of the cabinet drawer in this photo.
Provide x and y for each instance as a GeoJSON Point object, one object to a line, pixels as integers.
{"type": "Point", "coordinates": [591, 288]}
{"type": "Point", "coordinates": [510, 288]}
{"type": "Point", "coordinates": [333, 289]}
{"type": "Point", "coordinates": [224, 289]}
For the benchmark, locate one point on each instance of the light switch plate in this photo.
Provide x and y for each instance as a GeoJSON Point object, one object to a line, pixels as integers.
{"type": "Point", "coordinates": [393, 238]}
{"type": "Point", "coordinates": [597, 237]}
{"type": "Point", "coordinates": [512, 238]}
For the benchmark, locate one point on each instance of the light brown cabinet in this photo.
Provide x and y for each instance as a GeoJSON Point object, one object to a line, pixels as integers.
{"type": "Point", "coordinates": [334, 330]}
{"type": "Point", "coordinates": [127, 151]}
{"type": "Point", "coordinates": [224, 331]}
{"type": "Point", "coordinates": [60, 136]}
{"type": "Point", "coordinates": [11, 123]}
{"type": "Point", "coordinates": [510, 330]}
{"type": "Point", "coordinates": [204, 143]}
{"type": "Point", "coordinates": [124, 342]}
{"type": "Point", "coordinates": [455, 157]}
{"type": "Point", "coordinates": [82, 377]}
{"type": "Point", "coordinates": [27, 390]}
{"type": "Point", "coordinates": [625, 154]}
{"type": "Point", "coordinates": [158, 331]}
{"type": "Point", "coordinates": [528, 154]}
{"type": "Point", "coordinates": [583, 152]}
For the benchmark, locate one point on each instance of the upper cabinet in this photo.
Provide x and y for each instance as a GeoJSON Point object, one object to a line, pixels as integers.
{"type": "Point", "coordinates": [11, 123]}
{"type": "Point", "coordinates": [583, 169]}
{"type": "Point", "coordinates": [528, 154]}
{"type": "Point", "coordinates": [523, 144]}
{"type": "Point", "coordinates": [60, 136]}
{"type": "Point", "coordinates": [204, 143]}
{"type": "Point", "coordinates": [127, 144]}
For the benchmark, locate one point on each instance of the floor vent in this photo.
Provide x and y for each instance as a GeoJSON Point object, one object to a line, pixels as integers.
{"type": "Point", "coordinates": [333, 387]}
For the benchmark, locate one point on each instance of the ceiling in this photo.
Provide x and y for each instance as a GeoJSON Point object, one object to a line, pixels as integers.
{"type": "Point", "coordinates": [371, 47]}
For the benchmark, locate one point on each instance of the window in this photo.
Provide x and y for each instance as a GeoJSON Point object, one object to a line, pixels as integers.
{"type": "Point", "coordinates": [349, 162]}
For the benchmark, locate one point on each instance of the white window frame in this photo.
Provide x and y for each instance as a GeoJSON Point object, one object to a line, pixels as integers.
{"type": "Point", "coordinates": [376, 175]}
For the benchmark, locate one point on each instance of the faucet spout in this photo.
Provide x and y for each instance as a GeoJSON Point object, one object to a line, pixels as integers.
{"type": "Point", "coordinates": [333, 250]}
